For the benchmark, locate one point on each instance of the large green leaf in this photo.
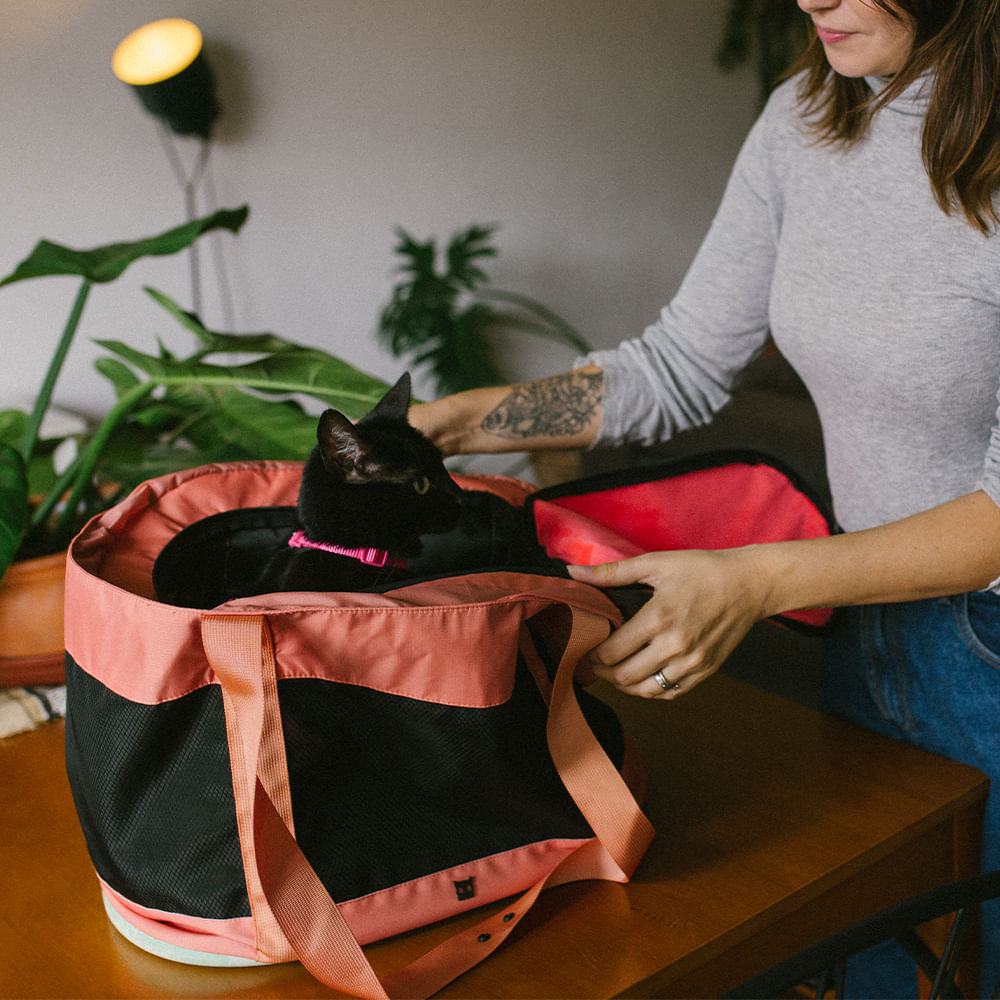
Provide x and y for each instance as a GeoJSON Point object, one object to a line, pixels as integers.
{"type": "Point", "coordinates": [178, 412]}
{"type": "Point", "coordinates": [40, 471]}
{"type": "Point", "coordinates": [13, 504]}
{"type": "Point", "coordinates": [121, 377]}
{"type": "Point", "coordinates": [107, 262]}
{"type": "Point", "coordinates": [292, 370]}
{"type": "Point", "coordinates": [12, 425]}
{"type": "Point", "coordinates": [248, 427]}
{"type": "Point", "coordinates": [213, 343]}
{"type": "Point", "coordinates": [133, 454]}
{"type": "Point", "coordinates": [286, 367]}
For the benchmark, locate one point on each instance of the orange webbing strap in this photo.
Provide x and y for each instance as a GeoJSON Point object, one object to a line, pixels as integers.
{"type": "Point", "coordinates": [600, 793]}
{"type": "Point", "coordinates": [239, 650]}
{"type": "Point", "coordinates": [243, 660]}
{"type": "Point", "coordinates": [590, 777]}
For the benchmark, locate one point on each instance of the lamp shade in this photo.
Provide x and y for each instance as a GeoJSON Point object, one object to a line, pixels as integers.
{"type": "Point", "coordinates": [164, 63]}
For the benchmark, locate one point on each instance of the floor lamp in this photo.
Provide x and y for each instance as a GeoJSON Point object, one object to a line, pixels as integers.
{"type": "Point", "coordinates": [165, 65]}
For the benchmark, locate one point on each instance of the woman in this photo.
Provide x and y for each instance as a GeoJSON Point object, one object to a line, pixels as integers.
{"type": "Point", "coordinates": [857, 229]}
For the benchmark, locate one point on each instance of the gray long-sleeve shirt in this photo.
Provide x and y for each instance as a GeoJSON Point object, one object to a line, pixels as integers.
{"type": "Point", "coordinates": [888, 309]}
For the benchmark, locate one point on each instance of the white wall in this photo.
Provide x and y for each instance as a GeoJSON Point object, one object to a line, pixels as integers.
{"type": "Point", "coordinates": [598, 133]}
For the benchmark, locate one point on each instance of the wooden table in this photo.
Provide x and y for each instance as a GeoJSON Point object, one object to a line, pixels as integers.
{"type": "Point", "coordinates": [776, 825]}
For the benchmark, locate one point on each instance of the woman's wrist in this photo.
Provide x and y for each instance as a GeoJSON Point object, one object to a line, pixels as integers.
{"type": "Point", "coordinates": [757, 573]}
{"type": "Point", "coordinates": [808, 573]}
{"type": "Point", "coordinates": [949, 549]}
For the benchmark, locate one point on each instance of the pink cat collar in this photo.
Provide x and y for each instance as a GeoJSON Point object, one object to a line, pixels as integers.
{"type": "Point", "coordinates": [371, 557]}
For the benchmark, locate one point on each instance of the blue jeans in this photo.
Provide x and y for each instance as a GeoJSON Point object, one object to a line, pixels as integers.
{"type": "Point", "coordinates": [926, 672]}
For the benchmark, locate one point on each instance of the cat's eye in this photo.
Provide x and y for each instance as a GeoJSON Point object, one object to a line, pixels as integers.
{"type": "Point", "coordinates": [421, 484]}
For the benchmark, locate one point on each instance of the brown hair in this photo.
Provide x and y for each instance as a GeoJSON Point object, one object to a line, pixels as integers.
{"type": "Point", "coordinates": [959, 42]}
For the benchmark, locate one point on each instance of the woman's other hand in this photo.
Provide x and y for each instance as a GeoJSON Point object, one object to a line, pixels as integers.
{"type": "Point", "coordinates": [703, 604]}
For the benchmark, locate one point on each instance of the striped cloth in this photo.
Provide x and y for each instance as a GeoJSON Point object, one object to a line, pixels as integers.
{"type": "Point", "coordinates": [26, 708]}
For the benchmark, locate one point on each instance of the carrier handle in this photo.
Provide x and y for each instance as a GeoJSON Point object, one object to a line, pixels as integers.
{"type": "Point", "coordinates": [295, 915]}
{"type": "Point", "coordinates": [598, 789]}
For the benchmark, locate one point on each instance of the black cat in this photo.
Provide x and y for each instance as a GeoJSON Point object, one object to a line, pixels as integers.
{"type": "Point", "coordinates": [369, 491]}
{"type": "Point", "coordinates": [376, 507]}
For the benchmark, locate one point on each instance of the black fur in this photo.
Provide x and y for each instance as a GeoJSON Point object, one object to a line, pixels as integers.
{"type": "Point", "coordinates": [378, 483]}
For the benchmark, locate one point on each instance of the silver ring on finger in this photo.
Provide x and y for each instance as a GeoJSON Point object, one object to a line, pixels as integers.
{"type": "Point", "coordinates": [664, 683]}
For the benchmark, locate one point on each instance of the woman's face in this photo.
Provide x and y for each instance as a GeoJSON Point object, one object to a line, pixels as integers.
{"type": "Point", "coordinates": [859, 38]}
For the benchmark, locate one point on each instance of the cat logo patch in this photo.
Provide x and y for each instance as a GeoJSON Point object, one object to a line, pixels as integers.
{"type": "Point", "coordinates": [465, 889]}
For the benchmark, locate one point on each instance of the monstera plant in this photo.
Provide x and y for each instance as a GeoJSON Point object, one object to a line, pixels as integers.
{"type": "Point", "coordinates": [445, 316]}
{"type": "Point", "coordinates": [231, 397]}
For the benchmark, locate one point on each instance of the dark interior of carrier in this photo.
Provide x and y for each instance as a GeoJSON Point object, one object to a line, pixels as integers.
{"type": "Point", "coordinates": [715, 501]}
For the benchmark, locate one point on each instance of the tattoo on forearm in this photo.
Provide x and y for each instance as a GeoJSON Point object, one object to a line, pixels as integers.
{"type": "Point", "coordinates": [553, 407]}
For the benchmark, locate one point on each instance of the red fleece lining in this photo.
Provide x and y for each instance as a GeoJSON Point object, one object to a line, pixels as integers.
{"type": "Point", "coordinates": [717, 508]}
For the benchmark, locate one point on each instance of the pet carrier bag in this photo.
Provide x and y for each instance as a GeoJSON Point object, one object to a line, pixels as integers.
{"type": "Point", "coordinates": [293, 776]}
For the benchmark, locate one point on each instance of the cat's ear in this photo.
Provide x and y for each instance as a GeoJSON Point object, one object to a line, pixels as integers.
{"type": "Point", "coordinates": [395, 404]}
{"type": "Point", "coordinates": [340, 448]}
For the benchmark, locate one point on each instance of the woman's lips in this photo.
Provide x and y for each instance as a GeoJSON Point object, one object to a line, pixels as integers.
{"type": "Point", "coordinates": [830, 37]}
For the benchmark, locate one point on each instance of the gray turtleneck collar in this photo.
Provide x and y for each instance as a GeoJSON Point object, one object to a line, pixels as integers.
{"type": "Point", "coordinates": [912, 101]}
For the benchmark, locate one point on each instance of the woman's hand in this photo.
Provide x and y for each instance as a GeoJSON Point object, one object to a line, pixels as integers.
{"type": "Point", "coordinates": [703, 604]}
{"type": "Point", "coordinates": [438, 421]}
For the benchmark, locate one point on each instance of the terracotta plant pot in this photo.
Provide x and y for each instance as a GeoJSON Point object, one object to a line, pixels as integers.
{"type": "Point", "coordinates": [31, 622]}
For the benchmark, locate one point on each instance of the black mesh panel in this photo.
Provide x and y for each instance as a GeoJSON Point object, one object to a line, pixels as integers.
{"type": "Point", "coordinates": [384, 788]}
{"type": "Point", "coordinates": [154, 794]}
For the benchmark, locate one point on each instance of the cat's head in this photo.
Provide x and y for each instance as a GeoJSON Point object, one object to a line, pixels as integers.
{"type": "Point", "coordinates": [378, 482]}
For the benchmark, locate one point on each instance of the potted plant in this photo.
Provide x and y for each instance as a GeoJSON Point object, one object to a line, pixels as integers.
{"type": "Point", "coordinates": [450, 320]}
{"type": "Point", "coordinates": [169, 412]}
{"type": "Point", "coordinates": [443, 315]}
